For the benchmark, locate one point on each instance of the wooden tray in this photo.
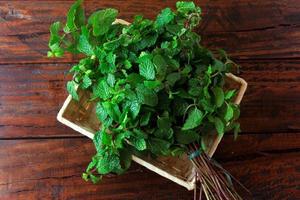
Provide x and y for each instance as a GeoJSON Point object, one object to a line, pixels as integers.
{"type": "Point", "coordinates": [81, 116]}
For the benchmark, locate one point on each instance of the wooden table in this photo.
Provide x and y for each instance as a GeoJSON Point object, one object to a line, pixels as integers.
{"type": "Point", "coordinates": [42, 159]}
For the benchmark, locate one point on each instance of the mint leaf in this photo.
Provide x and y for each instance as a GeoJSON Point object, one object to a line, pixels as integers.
{"type": "Point", "coordinates": [111, 80]}
{"type": "Point", "coordinates": [120, 138]}
{"type": "Point", "coordinates": [102, 20]}
{"type": "Point", "coordinates": [112, 110]}
{"type": "Point", "coordinates": [229, 113]}
{"type": "Point", "coordinates": [111, 58]}
{"type": "Point", "coordinates": [164, 123]}
{"type": "Point", "coordinates": [173, 78]}
{"type": "Point", "coordinates": [194, 119]}
{"type": "Point", "coordinates": [219, 96]}
{"type": "Point", "coordinates": [185, 6]}
{"type": "Point", "coordinates": [71, 87]}
{"type": "Point", "coordinates": [229, 94]}
{"type": "Point", "coordinates": [187, 137]}
{"type": "Point", "coordinates": [54, 41]}
{"type": "Point", "coordinates": [108, 162]}
{"type": "Point", "coordinates": [146, 67]}
{"type": "Point", "coordinates": [219, 126]}
{"type": "Point", "coordinates": [146, 95]}
{"type": "Point", "coordinates": [75, 17]}
{"type": "Point", "coordinates": [54, 33]}
{"type": "Point", "coordinates": [102, 138]}
{"type": "Point", "coordinates": [86, 81]}
{"type": "Point", "coordinates": [138, 143]}
{"type": "Point", "coordinates": [164, 17]}
{"type": "Point", "coordinates": [100, 112]}
{"type": "Point", "coordinates": [145, 119]}
{"type": "Point", "coordinates": [158, 146]}
{"type": "Point", "coordinates": [134, 107]}
{"type": "Point", "coordinates": [152, 84]}
{"type": "Point", "coordinates": [161, 66]}
{"type": "Point", "coordinates": [84, 46]}
{"type": "Point", "coordinates": [102, 90]}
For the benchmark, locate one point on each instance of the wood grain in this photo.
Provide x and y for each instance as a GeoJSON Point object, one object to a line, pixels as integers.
{"type": "Point", "coordinates": [53, 169]}
{"type": "Point", "coordinates": [270, 176]}
{"type": "Point", "coordinates": [247, 29]}
{"type": "Point", "coordinates": [42, 159]}
{"type": "Point", "coordinates": [255, 145]}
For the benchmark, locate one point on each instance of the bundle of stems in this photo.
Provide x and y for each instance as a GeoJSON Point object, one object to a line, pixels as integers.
{"type": "Point", "coordinates": [214, 183]}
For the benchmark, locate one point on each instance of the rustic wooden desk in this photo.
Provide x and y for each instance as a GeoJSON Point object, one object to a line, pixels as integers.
{"type": "Point", "coordinates": [42, 159]}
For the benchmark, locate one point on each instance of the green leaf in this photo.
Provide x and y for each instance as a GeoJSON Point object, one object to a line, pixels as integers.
{"type": "Point", "coordinates": [194, 119]}
{"type": "Point", "coordinates": [84, 46]}
{"type": "Point", "coordinates": [111, 58]}
{"type": "Point", "coordinates": [173, 78]}
{"type": "Point", "coordinates": [108, 162]}
{"type": "Point", "coordinates": [102, 90]}
{"type": "Point", "coordinates": [134, 107]}
{"type": "Point", "coordinates": [55, 41]}
{"type": "Point", "coordinates": [147, 41]}
{"type": "Point", "coordinates": [112, 45]}
{"type": "Point", "coordinates": [152, 84]}
{"type": "Point", "coordinates": [92, 164]}
{"type": "Point", "coordinates": [164, 123]}
{"type": "Point", "coordinates": [111, 80]}
{"type": "Point", "coordinates": [145, 119]}
{"type": "Point", "coordinates": [102, 20]}
{"type": "Point", "coordinates": [138, 143]}
{"type": "Point", "coordinates": [146, 67]}
{"type": "Point", "coordinates": [54, 33]}
{"type": "Point", "coordinates": [146, 95]}
{"type": "Point", "coordinates": [100, 112]}
{"type": "Point", "coordinates": [71, 87]}
{"type": "Point", "coordinates": [75, 17]}
{"type": "Point", "coordinates": [112, 110]}
{"type": "Point", "coordinates": [175, 29]}
{"type": "Point", "coordinates": [186, 137]}
{"type": "Point", "coordinates": [229, 113]}
{"type": "Point", "coordinates": [158, 146]}
{"type": "Point", "coordinates": [106, 138]}
{"type": "Point", "coordinates": [179, 106]}
{"type": "Point", "coordinates": [177, 151]}
{"type": "Point", "coordinates": [134, 79]}
{"type": "Point", "coordinates": [219, 126]}
{"type": "Point", "coordinates": [120, 138]}
{"type": "Point", "coordinates": [164, 17]}
{"type": "Point", "coordinates": [139, 133]}
{"type": "Point", "coordinates": [86, 81]}
{"type": "Point", "coordinates": [236, 111]}
{"type": "Point", "coordinates": [219, 96]}
{"type": "Point", "coordinates": [127, 64]}
{"type": "Point", "coordinates": [101, 139]}
{"type": "Point", "coordinates": [161, 66]}
{"type": "Point", "coordinates": [185, 7]}
{"type": "Point", "coordinates": [229, 94]}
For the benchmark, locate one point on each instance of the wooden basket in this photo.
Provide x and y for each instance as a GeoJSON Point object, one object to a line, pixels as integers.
{"type": "Point", "coordinates": [81, 116]}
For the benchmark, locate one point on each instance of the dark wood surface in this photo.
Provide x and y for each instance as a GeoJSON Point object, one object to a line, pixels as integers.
{"type": "Point", "coordinates": [42, 159]}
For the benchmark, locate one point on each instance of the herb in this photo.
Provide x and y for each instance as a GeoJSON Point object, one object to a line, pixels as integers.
{"type": "Point", "coordinates": [156, 88]}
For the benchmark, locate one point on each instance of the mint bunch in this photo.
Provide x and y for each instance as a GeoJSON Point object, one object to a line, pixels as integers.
{"type": "Point", "coordinates": [156, 88]}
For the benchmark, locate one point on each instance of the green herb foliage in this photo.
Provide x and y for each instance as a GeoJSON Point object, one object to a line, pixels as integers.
{"type": "Point", "coordinates": [155, 87]}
